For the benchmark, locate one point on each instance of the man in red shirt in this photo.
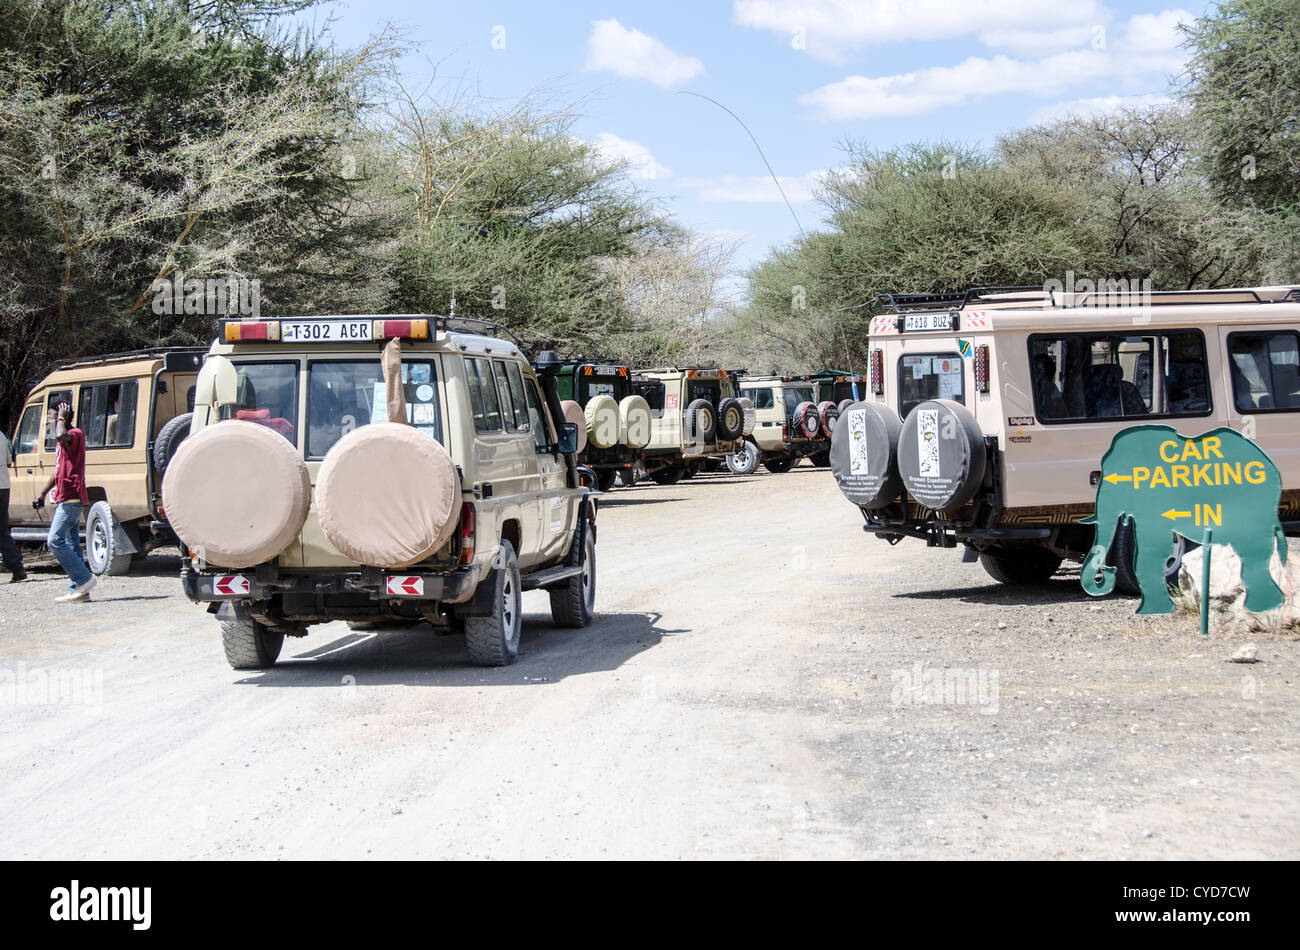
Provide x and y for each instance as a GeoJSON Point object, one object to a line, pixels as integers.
{"type": "Point", "coordinates": [69, 486]}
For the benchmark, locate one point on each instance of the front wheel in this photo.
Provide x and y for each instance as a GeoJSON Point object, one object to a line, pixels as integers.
{"type": "Point", "coordinates": [605, 478]}
{"type": "Point", "coordinates": [667, 476]}
{"type": "Point", "coordinates": [104, 553]}
{"type": "Point", "coordinates": [494, 640]}
{"type": "Point", "coordinates": [1019, 567]}
{"type": "Point", "coordinates": [779, 466]}
{"type": "Point", "coordinates": [821, 459]}
{"type": "Point", "coordinates": [250, 645]}
{"type": "Point", "coordinates": [745, 462]}
{"type": "Point", "coordinates": [574, 603]}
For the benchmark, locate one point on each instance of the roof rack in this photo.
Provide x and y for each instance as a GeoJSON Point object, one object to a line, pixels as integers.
{"type": "Point", "coordinates": [957, 300]}
{"type": "Point", "coordinates": [125, 356]}
{"type": "Point", "coordinates": [481, 327]}
{"type": "Point", "coordinates": [1148, 298]}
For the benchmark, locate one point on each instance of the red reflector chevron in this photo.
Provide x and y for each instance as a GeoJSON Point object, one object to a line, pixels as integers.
{"type": "Point", "coordinates": [406, 586]}
{"type": "Point", "coordinates": [231, 584]}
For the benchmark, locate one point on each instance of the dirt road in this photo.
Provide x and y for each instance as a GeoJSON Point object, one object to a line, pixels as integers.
{"type": "Point", "coordinates": [747, 691]}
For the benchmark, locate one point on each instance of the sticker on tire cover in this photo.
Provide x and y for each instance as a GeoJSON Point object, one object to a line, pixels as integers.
{"type": "Point", "coordinates": [859, 457]}
{"type": "Point", "coordinates": [927, 443]}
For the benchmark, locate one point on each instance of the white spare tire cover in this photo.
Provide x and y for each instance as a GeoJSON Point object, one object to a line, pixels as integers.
{"type": "Point", "coordinates": [634, 422]}
{"type": "Point", "coordinates": [388, 495]}
{"type": "Point", "coordinates": [864, 454]}
{"type": "Point", "coordinates": [751, 415]}
{"type": "Point", "coordinates": [601, 420]}
{"type": "Point", "coordinates": [941, 454]}
{"type": "Point", "coordinates": [573, 413]}
{"type": "Point", "coordinates": [237, 493]}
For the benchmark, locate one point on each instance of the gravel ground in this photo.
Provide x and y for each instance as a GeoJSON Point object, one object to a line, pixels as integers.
{"type": "Point", "coordinates": [742, 694]}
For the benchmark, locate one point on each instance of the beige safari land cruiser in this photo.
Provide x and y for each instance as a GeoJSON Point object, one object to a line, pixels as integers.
{"type": "Point", "coordinates": [331, 477]}
{"type": "Point", "coordinates": [134, 409]}
{"type": "Point", "coordinates": [696, 419]}
{"type": "Point", "coordinates": [988, 412]}
{"type": "Point", "coordinates": [790, 425]}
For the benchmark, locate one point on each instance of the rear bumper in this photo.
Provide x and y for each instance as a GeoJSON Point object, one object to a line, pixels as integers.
{"type": "Point", "coordinates": [452, 587]}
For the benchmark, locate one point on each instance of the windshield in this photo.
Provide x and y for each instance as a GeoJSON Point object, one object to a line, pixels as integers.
{"type": "Point", "coordinates": [343, 396]}
{"type": "Point", "coordinates": [795, 395]}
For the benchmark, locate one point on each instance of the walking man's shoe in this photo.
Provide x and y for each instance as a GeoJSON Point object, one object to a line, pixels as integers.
{"type": "Point", "coordinates": [73, 596]}
{"type": "Point", "coordinates": [86, 587]}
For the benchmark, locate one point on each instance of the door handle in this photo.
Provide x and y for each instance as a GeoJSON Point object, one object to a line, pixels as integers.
{"type": "Point", "coordinates": [29, 471]}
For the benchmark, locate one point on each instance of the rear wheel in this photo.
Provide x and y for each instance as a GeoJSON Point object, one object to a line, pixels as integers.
{"type": "Point", "coordinates": [574, 604]}
{"type": "Point", "coordinates": [494, 640]}
{"type": "Point", "coordinates": [821, 459]}
{"type": "Point", "coordinates": [778, 466]}
{"type": "Point", "coordinates": [605, 478]}
{"type": "Point", "coordinates": [104, 553]}
{"type": "Point", "coordinates": [667, 476]}
{"type": "Point", "coordinates": [745, 462]}
{"type": "Point", "coordinates": [1007, 566]}
{"type": "Point", "coordinates": [250, 645]}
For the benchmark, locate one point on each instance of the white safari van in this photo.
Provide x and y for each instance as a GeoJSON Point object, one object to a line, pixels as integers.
{"type": "Point", "coordinates": [1035, 385]}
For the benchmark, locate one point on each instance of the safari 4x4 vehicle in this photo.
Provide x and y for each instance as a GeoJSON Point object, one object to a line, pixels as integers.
{"type": "Point", "coordinates": [331, 477]}
{"type": "Point", "coordinates": [133, 408]}
{"type": "Point", "coordinates": [989, 412]}
{"type": "Point", "coordinates": [790, 425]}
{"type": "Point", "coordinates": [838, 386]}
{"type": "Point", "coordinates": [613, 421]}
{"type": "Point", "coordinates": [696, 418]}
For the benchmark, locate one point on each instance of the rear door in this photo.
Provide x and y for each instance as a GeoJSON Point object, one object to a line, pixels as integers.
{"type": "Point", "coordinates": [27, 477]}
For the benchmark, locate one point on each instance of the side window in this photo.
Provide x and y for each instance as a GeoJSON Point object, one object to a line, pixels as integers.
{"type": "Point", "coordinates": [51, 408]}
{"type": "Point", "coordinates": [483, 395]}
{"type": "Point", "coordinates": [762, 398]}
{"type": "Point", "coordinates": [522, 416]}
{"type": "Point", "coordinates": [537, 419]}
{"type": "Point", "coordinates": [652, 393]}
{"type": "Point", "coordinates": [515, 415]}
{"type": "Point", "coordinates": [29, 431]}
{"type": "Point", "coordinates": [107, 414]}
{"type": "Point", "coordinates": [1265, 371]}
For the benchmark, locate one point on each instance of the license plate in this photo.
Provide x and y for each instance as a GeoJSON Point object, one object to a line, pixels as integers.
{"type": "Point", "coordinates": [927, 321]}
{"type": "Point", "coordinates": [324, 331]}
{"type": "Point", "coordinates": [606, 370]}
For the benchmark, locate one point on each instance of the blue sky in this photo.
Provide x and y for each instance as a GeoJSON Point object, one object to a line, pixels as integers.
{"type": "Point", "coordinates": [804, 75]}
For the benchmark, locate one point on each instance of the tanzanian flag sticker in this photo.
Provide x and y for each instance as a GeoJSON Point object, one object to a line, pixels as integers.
{"type": "Point", "coordinates": [964, 347]}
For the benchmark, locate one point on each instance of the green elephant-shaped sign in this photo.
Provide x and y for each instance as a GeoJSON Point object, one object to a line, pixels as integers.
{"type": "Point", "coordinates": [1165, 483]}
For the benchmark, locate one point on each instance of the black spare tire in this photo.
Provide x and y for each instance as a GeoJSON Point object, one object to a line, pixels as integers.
{"type": "Point", "coordinates": [731, 419]}
{"type": "Point", "coordinates": [701, 423]}
{"type": "Point", "coordinates": [941, 455]}
{"type": "Point", "coordinates": [169, 439]}
{"type": "Point", "coordinates": [864, 454]}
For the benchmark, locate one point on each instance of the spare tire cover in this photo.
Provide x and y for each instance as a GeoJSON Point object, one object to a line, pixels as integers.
{"type": "Point", "coordinates": [864, 454]}
{"type": "Point", "coordinates": [601, 414]}
{"type": "Point", "coordinates": [941, 454]}
{"type": "Point", "coordinates": [844, 404]}
{"type": "Point", "coordinates": [634, 422]}
{"type": "Point", "coordinates": [237, 493]}
{"type": "Point", "coordinates": [388, 495]}
{"type": "Point", "coordinates": [805, 419]}
{"type": "Point", "coordinates": [827, 413]}
{"type": "Point", "coordinates": [701, 423]}
{"type": "Point", "coordinates": [751, 415]}
{"type": "Point", "coordinates": [731, 419]}
{"type": "Point", "coordinates": [573, 413]}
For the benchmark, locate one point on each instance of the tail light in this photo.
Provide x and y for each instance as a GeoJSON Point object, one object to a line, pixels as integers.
{"type": "Point", "coordinates": [466, 534]}
{"type": "Point", "coordinates": [878, 372]}
{"type": "Point", "coordinates": [267, 331]}
{"type": "Point", "coordinates": [785, 433]}
{"type": "Point", "coordinates": [982, 369]}
{"type": "Point", "coordinates": [404, 329]}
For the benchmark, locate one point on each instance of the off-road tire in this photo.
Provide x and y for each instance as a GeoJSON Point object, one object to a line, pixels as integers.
{"type": "Point", "coordinates": [605, 478]}
{"type": "Point", "coordinates": [169, 439]}
{"type": "Point", "coordinates": [778, 466]}
{"type": "Point", "coordinates": [745, 462]}
{"type": "Point", "coordinates": [821, 459]}
{"type": "Point", "coordinates": [667, 476]}
{"type": "Point", "coordinates": [102, 553]}
{"type": "Point", "coordinates": [250, 645]}
{"type": "Point", "coordinates": [1028, 567]}
{"type": "Point", "coordinates": [494, 640]}
{"type": "Point", "coordinates": [731, 419]}
{"type": "Point", "coordinates": [573, 604]}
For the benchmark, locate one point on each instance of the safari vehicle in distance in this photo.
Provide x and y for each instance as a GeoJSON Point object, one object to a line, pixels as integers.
{"type": "Point", "coordinates": [331, 477]}
{"type": "Point", "coordinates": [790, 425]}
{"type": "Point", "coordinates": [838, 386]}
{"type": "Point", "coordinates": [134, 409]}
{"type": "Point", "coordinates": [989, 412]}
{"type": "Point", "coordinates": [614, 418]}
{"type": "Point", "coordinates": [696, 419]}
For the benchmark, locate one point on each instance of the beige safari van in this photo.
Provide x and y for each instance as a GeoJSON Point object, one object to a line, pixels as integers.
{"type": "Point", "coordinates": [789, 425]}
{"type": "Point", "coordinates": [1034, 385]}
{"type": "Point", "coordinates": [382, 471]}
{"type": "Point", "coordinates": [697, 420]}
{"type": "Point", "coordinates": [134, 409]}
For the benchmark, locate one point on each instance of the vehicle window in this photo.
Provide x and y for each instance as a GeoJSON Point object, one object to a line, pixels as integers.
{"type": "Point", "coordinates": [342, 396]}
{"type": "Point", "coordinates": [516, 376]}
{"type": "Point", "coordinates": [542, 438]}
{"type": "Point", "coordinates": [29, 431]}
{"type": "Point", "coordinates": [51, 410]}
{"type": "Point", "coordinates": [107, 414]}
{"type": "Point", "coordinates": [1265, 370]}
{"type": "Point", "coordinates": [710, 392]}
{"type": "Point", "coordinates": [762, 398]}
{"type": "Point", "coordinates": [593, 386]}
{"type": "Point", "coordinates": [794, 395]}
{"type": "Point", "coordinates": [483, 395]}
{"type": "Point", "coordinates": [652, 393]}
{"type": "Point", "coordinates": [925, 376]}
{"type": "Point", "coordinates": [267, 394]}
{"type": "Point", "coordinates": [515, 415]}
{"type": "Point", "coordinates": [189, 399]}
{"type": "Point", "coordinates": [1111, 376]}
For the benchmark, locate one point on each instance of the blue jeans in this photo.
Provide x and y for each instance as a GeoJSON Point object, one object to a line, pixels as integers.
{"type": "Point", "coordinates": [65, 542]}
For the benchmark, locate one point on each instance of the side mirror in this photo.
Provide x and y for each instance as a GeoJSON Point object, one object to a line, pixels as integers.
{"type": "Point", "coordinates": [568, 438]}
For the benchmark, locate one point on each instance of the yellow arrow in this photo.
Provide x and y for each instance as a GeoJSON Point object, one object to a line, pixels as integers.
{"type": "Point", "coordinates": [1174, 513]}
{"type": "Point", "coordinates": [1118, 478]}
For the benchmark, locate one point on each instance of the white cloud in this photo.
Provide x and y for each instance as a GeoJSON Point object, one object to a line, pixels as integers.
{"type": "Point", "coordinates": [833, 28]}
{"type": "Point", "coordinates": [1021, 42]}
{"type": "Point", "coordinates": [636, 55]}
{"type": "Point", "coordinates": [640, 162]}
{"type": "Point", "coordinates": [1145, 46]}
{"type": "Point", "coordinates": [753, 188]}
{"type": "Point", "coordinates": [1097, 106]}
